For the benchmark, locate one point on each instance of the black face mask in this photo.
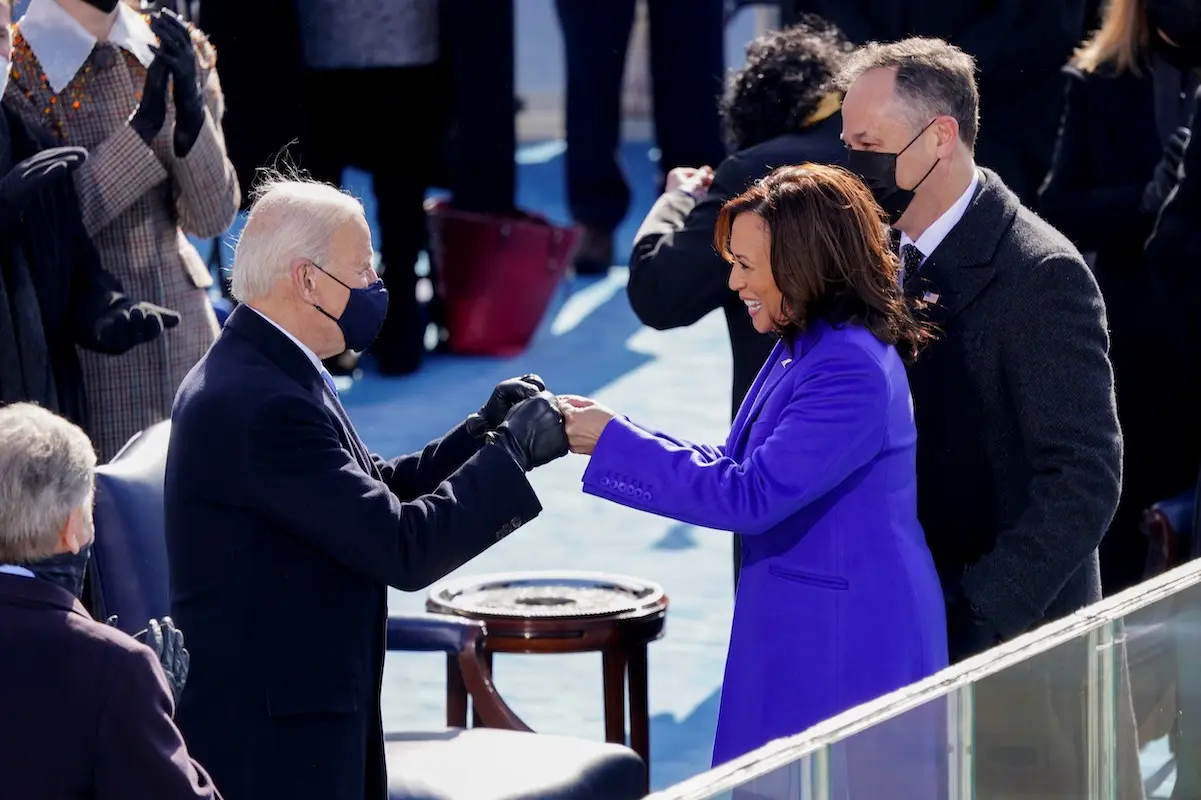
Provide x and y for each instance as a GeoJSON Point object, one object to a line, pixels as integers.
{"type": "Point", "coordinates": [879, 172]}
{"type": "Point", "coordinates": [1180, 21]}
{"type": "Point", "coordinates": [104, 5]}
{"type": "Point", "coordinates": [65, 570]}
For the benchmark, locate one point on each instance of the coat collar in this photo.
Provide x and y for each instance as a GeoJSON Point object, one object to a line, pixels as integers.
{"type": "Point", "coordinates": [962, 265]}
{"type": "Point", "coordinates": [777, 365]}
{"type": "Point", "coordinates": [62, 46]}
{"type": "Point", "coordinates": [275, 345]}
{"type": "Point", "coordinates": [36, 593]}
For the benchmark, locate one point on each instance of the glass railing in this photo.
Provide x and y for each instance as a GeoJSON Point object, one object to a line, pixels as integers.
{"type": "Point", "coordinates": [1104, 705]}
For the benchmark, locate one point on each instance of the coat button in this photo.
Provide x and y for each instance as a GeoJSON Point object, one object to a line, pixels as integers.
{"type": "Point", "coordinates": [621, 487]}
{"type": "Point", "coordinates": [605, 482]}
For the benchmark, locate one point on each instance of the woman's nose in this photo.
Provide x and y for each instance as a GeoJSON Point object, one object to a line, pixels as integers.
{"type": "Point", "coordinates": [735, 282]}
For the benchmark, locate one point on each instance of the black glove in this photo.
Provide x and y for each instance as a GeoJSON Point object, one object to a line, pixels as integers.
{"type": "Point", "coordinates": [128, 324]}
{"type": "Point", "coordinates": [167, 643]}
{"type": "Point", "coordinates": [968, 631]}
{"type": "Point", "coordinates": [178, 53]}
{"type": "Point", "coordinates": [151, 113]}
{"type": "Point", "coordinates": [533, 432]}
{"type": "Point", "coordinates": [34, 173]}
{"type": "Point", "coordinates": [508, 394]}
{"type": "Point", "coordinates": [1166, 171]}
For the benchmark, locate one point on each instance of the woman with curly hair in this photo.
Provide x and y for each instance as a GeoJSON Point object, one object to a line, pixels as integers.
{"type": "Point", "coordinates": [839, 601]}
{"type": "Point", "coordinates": [780, 108]}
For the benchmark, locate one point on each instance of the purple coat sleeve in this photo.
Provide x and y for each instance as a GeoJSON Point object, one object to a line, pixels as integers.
{"type": "Point", "coordinates": [832, 423]}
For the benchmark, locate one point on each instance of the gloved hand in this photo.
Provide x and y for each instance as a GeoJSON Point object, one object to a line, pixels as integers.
{"type": "Point", "coordinates": [176, 50]}
{"type": "Point", "coordinates": [968, 631]}
{"type": "Point", "coordinates": [508, 394]}
{"type": "Point", "coordinates": [1166, 171]}
{"type": "Point", "coordinates": [129, 323]}
{"type": "Point", "coordinates": [34, 173]}
{"type": "Point", "coordinates": [151, 113]}
{"type": "Point", "coordinates": [533, 433]}
{"type": "Point", "coordinates": [167, 643]}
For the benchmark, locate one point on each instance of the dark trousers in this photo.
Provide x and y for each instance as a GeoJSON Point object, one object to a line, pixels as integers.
{"type": "Point", "coordinates": [363, 118]}
{"type": "Point", "coordinates": [687, 63]}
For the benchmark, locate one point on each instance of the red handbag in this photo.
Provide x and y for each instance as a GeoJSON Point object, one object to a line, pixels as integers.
{"type": "Point", "coordinates": [495, 275]}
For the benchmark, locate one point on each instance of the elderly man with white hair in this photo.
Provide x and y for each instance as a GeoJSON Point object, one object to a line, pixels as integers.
{"type": "Point", "coordinates": [284, 531]}
{"type": "Point", "coordinates": [85, 710]}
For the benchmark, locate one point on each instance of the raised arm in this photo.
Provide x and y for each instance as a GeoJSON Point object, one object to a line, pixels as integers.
{"type": "Point", "coordinates": [833, 424]}
{"type": "Point", "coordinates": [313, 488]}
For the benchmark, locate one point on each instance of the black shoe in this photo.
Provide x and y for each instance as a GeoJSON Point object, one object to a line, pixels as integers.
{"type": "Point", "coordinates": [594, 255]}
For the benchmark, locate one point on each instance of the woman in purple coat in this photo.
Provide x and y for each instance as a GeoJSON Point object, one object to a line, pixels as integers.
{"type": "Point", "coordinates": [839, 601]}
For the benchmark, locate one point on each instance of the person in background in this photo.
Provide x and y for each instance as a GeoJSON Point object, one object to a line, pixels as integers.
{"type": "Point", "coordinates": [355, 52]}
{"type": "Point", "coordinates": [817, 473]}
{"type": "Point", "coordinates": [1125, 129]}
{"type": "Point", "coordinates": [144, 100]}
{"type": "Point", "coordinates": [87, 709]}
{"type": "Point", "coordinates": [687, 57]}
{"type": "Point", "coordinates": [1019, 47]}
{"type": "Point", "coordinates": [54, 295]}
{"type": "Point", "coordinates": [264, 462]}
{"type": "Point", "coordinates": [779, 108]}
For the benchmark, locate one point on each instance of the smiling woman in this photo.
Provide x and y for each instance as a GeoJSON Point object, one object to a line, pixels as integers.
{"type": "Point", "coordinates": [838, 601]}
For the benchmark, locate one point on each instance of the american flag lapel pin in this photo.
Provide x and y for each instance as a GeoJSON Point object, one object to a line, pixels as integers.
{"type": "Point", "coordinates": [930, 298]}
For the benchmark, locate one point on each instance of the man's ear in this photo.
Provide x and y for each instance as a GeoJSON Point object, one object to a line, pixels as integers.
{"type": "Point", "coordinates": [301, 272]}
{"type": "Point", "coordinates": [948, 134]}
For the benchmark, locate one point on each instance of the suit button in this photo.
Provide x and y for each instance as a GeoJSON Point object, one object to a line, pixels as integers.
{"type": "Point", "coordinates": [605, 482]}
{"type": "Point", "coordinates": [621, 487]}
{"type": "Point", "coordinates": [647, 496]}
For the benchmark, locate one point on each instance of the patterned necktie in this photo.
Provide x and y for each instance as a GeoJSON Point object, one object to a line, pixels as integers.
{"type": "Point", "coordinates": [911, 260]}
{"type": "Point", "coordinates": [329, 381]}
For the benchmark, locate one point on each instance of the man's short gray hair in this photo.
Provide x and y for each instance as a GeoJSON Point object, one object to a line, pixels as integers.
{"type": "Point", "coordinates": [46, 472]}
{"type": "Point", "coordinates": [933, 79]}
{"type": "Point", "coordinates": [290, 219]}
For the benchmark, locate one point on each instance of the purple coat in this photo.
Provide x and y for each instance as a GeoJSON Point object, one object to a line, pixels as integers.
{"type": "Point", "coordinates": [839, 601]}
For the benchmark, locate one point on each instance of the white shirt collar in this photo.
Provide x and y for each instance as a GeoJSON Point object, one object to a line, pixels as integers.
{"type": "Point", "coordinates": [62, 45]}
{"type": "Point", "coordinates": [317, 365]}
{"type": "Point", "coordinates": [933, 236]}
{"type": "Point", "coordinates": [13, 569]}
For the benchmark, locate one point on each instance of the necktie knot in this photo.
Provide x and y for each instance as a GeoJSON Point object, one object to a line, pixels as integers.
{"type": "Point", "coordinates": [911, 260]}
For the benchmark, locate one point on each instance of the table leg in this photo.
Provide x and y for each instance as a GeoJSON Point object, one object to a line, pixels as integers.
{"type": "Point", "coordinates": [476, 722]}
{"type": "Point", "coordinates": [456, 694]}
{"type": "Point", "coordinates": [614, 665]}
{"type": "Point", "coordinates": [640, 726]}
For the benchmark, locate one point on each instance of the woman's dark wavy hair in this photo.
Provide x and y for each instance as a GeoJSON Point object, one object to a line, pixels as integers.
{"type": "Point", "coordinates": [785, 77]}
{"type": "Point", "coordinates": [831, 254]}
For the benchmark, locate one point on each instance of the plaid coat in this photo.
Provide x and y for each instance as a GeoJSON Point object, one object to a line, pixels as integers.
{"type": "Point", "coordinates": [138, 203]}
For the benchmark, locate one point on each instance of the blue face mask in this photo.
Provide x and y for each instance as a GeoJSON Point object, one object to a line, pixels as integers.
{"type": "Point", "coordinates": [65, 570]}
{"type": "Point", "coordinates": [364, 314]}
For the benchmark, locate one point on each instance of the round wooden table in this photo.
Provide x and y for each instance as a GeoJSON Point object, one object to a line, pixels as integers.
{"type": "Point", "coordinates": [565, 612]}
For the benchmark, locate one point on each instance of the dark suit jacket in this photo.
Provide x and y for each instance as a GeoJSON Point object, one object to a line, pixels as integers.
{"type": "Point", "coordinates": [71, 288]}
{"type": "Point", "coordinates": [283, 534]}
{"type": "Point", "coordinates": [86, 710]}
{"type": "Point", "coordinates": [1019, 450]}
{"type": "Point", "coordinates": [676, 275]}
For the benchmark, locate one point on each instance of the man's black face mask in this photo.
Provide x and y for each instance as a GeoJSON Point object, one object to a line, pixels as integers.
{"type": "Point", "coordinates": [104, 5]}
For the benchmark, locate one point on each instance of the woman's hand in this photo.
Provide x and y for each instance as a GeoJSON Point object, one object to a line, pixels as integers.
{"type": "Point", "coordinates": [692, 181]}
{"type": "Point", "coordinates": [585, 420]}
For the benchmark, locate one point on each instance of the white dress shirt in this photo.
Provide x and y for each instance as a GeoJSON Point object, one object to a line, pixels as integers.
{"type": "Point", "coordinates": [62, 45]}
{"type": "Point", "coordinates": [13, 569]}
{"type": "Point", "coordinates": [933, 236]}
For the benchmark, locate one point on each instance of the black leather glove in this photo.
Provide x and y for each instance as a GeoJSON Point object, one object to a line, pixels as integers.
{"type": "Point", "coordinates": [968, 631]}
{"type": "Point", "coordinates": [151, 113]}
{"type": "Point", "coordinates": [129, 324]}
{"type": "Point", "coordinates": [533, 432]}
{"type": "Point", "coordinates": [508, 394]}
{"type": "Point", "coordinates": [178, 53]}
{"type": "Point", "coordinates": [167, 643]}
{"type": "Point", "coordinates": [1166, 171]}
{"type": "Point", "coordinates": [33, 174]}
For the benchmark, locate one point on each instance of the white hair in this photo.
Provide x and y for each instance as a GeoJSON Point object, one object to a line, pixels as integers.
{"type": "Point", "coordinates": [46, 472]}
{"type": "Point", "coordinates": [291, 219]}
